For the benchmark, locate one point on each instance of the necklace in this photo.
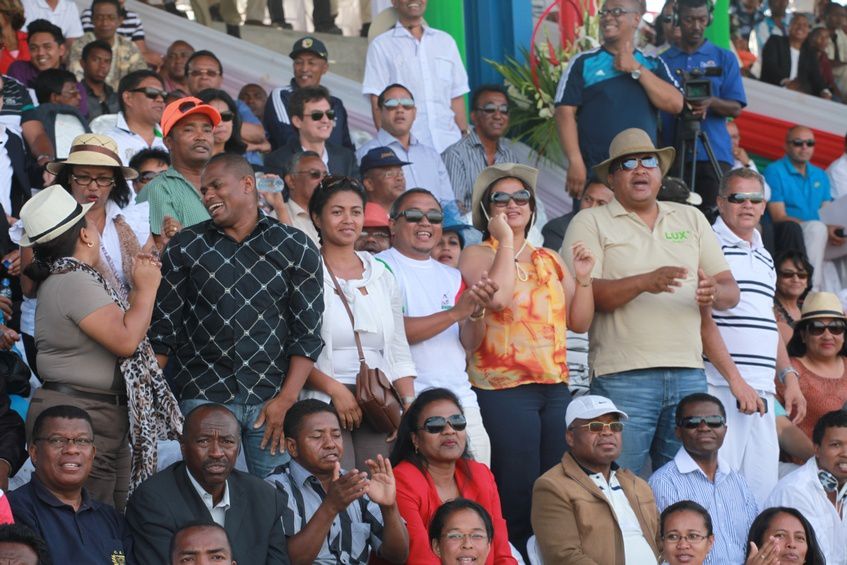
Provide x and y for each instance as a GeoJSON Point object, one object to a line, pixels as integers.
{"type": "Point", "coordinates": [521, 273]}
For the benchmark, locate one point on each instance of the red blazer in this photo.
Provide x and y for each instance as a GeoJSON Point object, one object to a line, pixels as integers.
{"type": "Point", "coordinates": [418, 500]}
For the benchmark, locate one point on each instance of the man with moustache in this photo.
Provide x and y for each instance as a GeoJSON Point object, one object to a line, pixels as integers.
{"type": "Point", "coordinates": [382, 176]}
{"type": "Point", "coordinates": [589, 509]}
{"type": "Point", "coordinates": [206, 486]}
{"type": "Point", "coordinates": [173, 67]}
{"type": "Point", "coordinates": [201, 542]}
{"type": "Point", "coordinates": [187, 126]}
{"type": "Point", "coordinates": [141, 98]}
{"type": "Point", "coordinates": [238, 313]}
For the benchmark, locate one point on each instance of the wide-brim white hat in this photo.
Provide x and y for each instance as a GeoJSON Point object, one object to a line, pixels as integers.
{"type": "Point", "coordinates": [49, 214]}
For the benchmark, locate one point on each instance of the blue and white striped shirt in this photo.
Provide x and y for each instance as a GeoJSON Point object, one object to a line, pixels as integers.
{"type": "Point", "coordinates": [729, 501]}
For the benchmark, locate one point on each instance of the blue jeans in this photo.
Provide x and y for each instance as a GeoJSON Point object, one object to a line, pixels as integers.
{"type": "Point", "coordinates": [260, 462]}
{"type": "Point", "coordinates": [526, 425]}
{"type": "Point", "coordinates": [649, 397]}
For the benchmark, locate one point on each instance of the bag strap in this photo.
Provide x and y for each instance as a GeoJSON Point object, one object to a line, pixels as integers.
{"type": "Point", "coordinates": [343, 298]}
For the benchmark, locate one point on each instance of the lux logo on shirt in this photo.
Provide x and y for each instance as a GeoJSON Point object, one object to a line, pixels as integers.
{"type": "Point", "coordinates": [677, 236]}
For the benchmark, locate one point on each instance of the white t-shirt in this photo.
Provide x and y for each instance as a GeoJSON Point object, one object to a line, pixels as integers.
{"type": "Point", "coordinates": [429, 287]}
{"type": "Point", "coordinates": [65, 16]}
{"type": "Point", "coordinates": [795, 61]}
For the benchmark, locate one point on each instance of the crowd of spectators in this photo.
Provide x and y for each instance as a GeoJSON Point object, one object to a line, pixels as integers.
{"type": "Point", "coordinates": [251, 340]}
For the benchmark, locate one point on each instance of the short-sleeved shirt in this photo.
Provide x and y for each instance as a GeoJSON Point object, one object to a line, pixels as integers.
{"type": "Point", "coordinates": [170, 194]}
{"type": "Point", "coordinates": [130, 143]}
{"type": "Point", "coordinates": [131, 26]}
{"type": "Point", "coordinates": [608, 101]}
{"type": "Point", "coordinates": [652, 330]}
{"type": "Point", "coordinates": [18, 106]}
{"type": "Point", "coordinates": [727, 86]}
{"type": "Point", "coordinates": [65, 353]}
{"type": "Point", "coordinates": [803, 195]}
{"type": "Point", "coordinates": [65, 16]}
{"type": "Point", "coordinates": [126, 58]}
{"type": "Point", "coordinates": [354, 533]}
{"type": "Point", "coordinates": [431, 69]}
{"type": "Point", "coordinates": [93, 535]}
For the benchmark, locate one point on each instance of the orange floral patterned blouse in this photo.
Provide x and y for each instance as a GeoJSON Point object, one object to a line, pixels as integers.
{"type": "Point", "coordinates": [525, 343]}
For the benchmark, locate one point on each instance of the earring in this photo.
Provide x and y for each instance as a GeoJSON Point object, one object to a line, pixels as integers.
{"type": "Point", "coordinates": [90, 244]}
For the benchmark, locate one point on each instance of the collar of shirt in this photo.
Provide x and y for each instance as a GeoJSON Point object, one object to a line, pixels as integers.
{"type": "Point", "coordinates": [302, 477]}
{"type": "Point", "coordinates": [122, 125]}
{"type": "Point", "coordinates": [792, 170]}
{"type": "Point", "coordinates": [4, 136]}
{"type": "Point", "coordinates": [589, 472]}
{"type": "Point", "coordinates": [324, 155]}
{"type": "Point", "coordinates": [685, 464]}
{"type": "Point", "coordinates": [47, 497]}
{"type": "Point", "coordinates": [400, 30]}
{"type": "Point", "coordinates": [617, 209]}
{"type": "Point", "coordinates": [726, 235]}
{"type": "Point", "coordinates": [207, 498]}
{"type": "Point", "coordinates": [263, 223]}
{"type": "Point", "coordinates": [296, 209]}
{"type": "Point", "coordinates": [385, 139]}
{"type": "Point", "coordinates": [706, 49]}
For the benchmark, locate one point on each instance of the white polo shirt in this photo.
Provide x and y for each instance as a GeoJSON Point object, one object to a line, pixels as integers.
{"type": "Point", "coordinates": [431, 69]}
{"type": "Point", "coordinates": [129, 142]}
{"type": "Point", "coordinates": [749, 329]}
{"type": "Point", "coordinates": [65, 16]}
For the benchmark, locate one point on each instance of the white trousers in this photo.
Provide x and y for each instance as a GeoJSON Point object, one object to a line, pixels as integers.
{"type": "Point", "coordinates": [478, 442]}
{"type": "Point", "coordinates": [751, 446]}
{"type": "Point", "coordinates": [827, 277]}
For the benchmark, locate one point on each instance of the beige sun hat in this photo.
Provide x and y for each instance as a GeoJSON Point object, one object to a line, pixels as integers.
{"type": "Point", "coordinates": [95, 150]}
{"type": "Point", "coordinates": [821, 305]}
{"type": "Point", "coordinates": [633, 141]}
{"type": "Point", "coordinates": [490, 174]}
{"type": "Point", "coordinates": [49, 214]}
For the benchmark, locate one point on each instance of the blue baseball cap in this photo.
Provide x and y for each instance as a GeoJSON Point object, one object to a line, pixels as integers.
{"type": "Point", "coordinates": [380, 157]}
{"type": "Point", "coordinates": [309, 44]}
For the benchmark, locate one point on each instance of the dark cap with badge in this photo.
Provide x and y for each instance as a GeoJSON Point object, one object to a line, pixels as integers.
{"type": "Point", "coordinates": [309, 44]}
{"type": "Point", "coordinates": [380, 157]}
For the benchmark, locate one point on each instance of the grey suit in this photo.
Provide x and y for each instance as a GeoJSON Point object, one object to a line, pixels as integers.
{"type": "Point", "coordinates": [168, 500]}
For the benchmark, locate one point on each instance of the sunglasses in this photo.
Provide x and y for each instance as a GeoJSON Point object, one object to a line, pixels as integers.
{"type": "Point", "coordinates": [802, 142]}
{"type": "Point", "coordinates": [436, 424]}
{"type": "Point", "coordinates": [598, 427]}
{"type": "Point", "coordinates": [835, 328]}
{"type": "Point", "coordinates": [794, 274]}
{"type": "Point", "coordinates": [742, 197]}
{"type": "Point", "coordinates": [521, 198]}
{"type": "Point", "coordinates": [147, 176]}
{"type": "Point", "coordinates": [415, 215]}
{"type": "Point", "coordinates": [314, 174]}
{"type": "Point", "coordinates": [693, 422]}
{"type": "Point", "coordinates": [614, 12]}
{"type": "Point", "coordinates": [227, 116]}
{"type": "Point", "coordinates": [150, 92]}
{"type": "Point", "coordinates": [491, 107]}
{"type": "Point", "coordinates": [393, 103]}
{"type": "Point", "coordinates": [631, 163]}
{"type": "Point", "coordinates": [318, 115]}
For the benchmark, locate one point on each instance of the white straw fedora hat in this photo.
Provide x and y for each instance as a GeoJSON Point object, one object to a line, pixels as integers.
{"type": "Point", "coordinates": [95, 150]}
{"type": "Point", "coordinates": [49, 214]}
{"type": "Point", "coordinates": [633, 141]}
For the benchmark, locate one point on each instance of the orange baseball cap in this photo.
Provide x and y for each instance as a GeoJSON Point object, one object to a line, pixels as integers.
{"type": "Point", "coordinates": [184, 107]}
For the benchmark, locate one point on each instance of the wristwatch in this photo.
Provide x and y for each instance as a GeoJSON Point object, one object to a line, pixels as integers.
{"type": "Point", "coordinates": [636, 74]}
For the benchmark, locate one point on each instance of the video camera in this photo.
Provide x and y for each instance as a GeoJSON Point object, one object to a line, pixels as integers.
{"type": "Point", "coordinates": [696, 87]}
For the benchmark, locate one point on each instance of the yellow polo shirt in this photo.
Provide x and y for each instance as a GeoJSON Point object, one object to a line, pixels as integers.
{"type": "Point", "coordinates": [653, 330]}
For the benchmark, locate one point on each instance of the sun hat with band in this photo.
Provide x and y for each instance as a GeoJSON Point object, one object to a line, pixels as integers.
{"type": "Point", "coordinates": [633, 141]}
{"type": "Point", "coordinates": [184, 107]}
{"type": "Point", "coordinates": [821, 305]}
{"type": "Point", "coordinates": [49, 214]}
{"type": "Point", "coordinates": [94, 150]}
{"type": "Point", "coordinates": [493, 173]}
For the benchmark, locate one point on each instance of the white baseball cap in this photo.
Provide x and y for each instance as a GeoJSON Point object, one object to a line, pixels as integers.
{"type": "Point", "coordinates": [591, 406]}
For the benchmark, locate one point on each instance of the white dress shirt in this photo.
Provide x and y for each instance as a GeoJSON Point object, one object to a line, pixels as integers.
{"type": "Point", "coordinates": [218, 511]}
{"type": "Point", "coordinates": [6, 173]}
{"type": "Point", "coordinates": [431, 68]}
{"type": "Point", "coordinates": [65, 16]}
{"type": "Point", "coordinates": [129, 142]}
{"type": "Point", "coordinates": [636, 548]}
{"type": "Point", "coordinates": [837, 173]}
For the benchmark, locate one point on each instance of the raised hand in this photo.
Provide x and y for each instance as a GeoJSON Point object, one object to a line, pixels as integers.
{"type": "Point", "coordinates": [382, 487]}
{"type": "Point", "coordinates": [146, 272]}
{"type": "Point", "coordinates": [344, 489]}
{"type": "Point", "coordinates": [768, 555]}
{"type": "Point", "coordinates": [583, 261]}
{"type": "Point", "coordinates": [500, 230]}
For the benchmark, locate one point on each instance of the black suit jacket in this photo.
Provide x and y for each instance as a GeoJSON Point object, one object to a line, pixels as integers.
{"type": "Point", "coordinates": [776, 65]}
{"type": "Point", "coordinates": [24, 173]}
{"type": "Point", "coordinates": [167, 501]}
{"type": "Point", "coordinates": [342, 161]}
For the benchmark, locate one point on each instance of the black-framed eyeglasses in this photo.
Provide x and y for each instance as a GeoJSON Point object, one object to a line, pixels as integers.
{"type": "Point", "coordinates": [802, 142]}
{"type": "Point", "coordinates": [693, 422]}
{"type": "Point", "coordinates": [491, 107]}
{"type": "Point", "coordinates": [436, 424]}
{"type": "Point", "coordinates": [147, 176]}
{"type": "Point", "coordinates": [631, 163]}
{"type": "Point", "coordinates": [817, 328]}
{"type": "Point", "coordinates": [61, 442]}
{"type": "Point", "coordinates": [614, 12]}
{"type": "Point", "coordinates": [521, 198]}
{"type": "Point", "coordinates": [85, 180]}
{"type": "Point", "coordinates": [596, 427]}
{"type": "Point", "coordinates": [150, 92]}
{"type": "Point", "coordinates": [318, 115]}
{"type": "Point", "coordinates": [227, 116]}
{"type": "Point", "coordinates": [742, 197]}
{"type": "Point", "coordinates": [415, 215]}
{"type": "Point", "coordinates": [392, 103]}
{"type": "Point", "coordinates": [692, 538]}
{"type": "Point", "coordinates": [313, 174]}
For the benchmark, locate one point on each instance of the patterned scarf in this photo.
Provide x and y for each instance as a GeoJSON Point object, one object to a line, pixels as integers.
{"type": "Point", "coordinates": [153, 410]}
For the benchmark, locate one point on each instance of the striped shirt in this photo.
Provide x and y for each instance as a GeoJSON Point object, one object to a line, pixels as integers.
{"type": "Point", "coordinates": [729, 501]}
{"type": "Point", "coordinates": [353, 534]}
{"type": "Point", "coordinates": [131, 26]}
{"type": "Point", "coordinates": [171, 195]}
{"type": "Point", "coordinates": [749, 329]}
{"type": "Point", "coordinates": [465, 159]}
